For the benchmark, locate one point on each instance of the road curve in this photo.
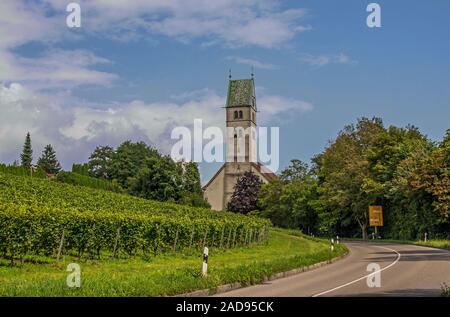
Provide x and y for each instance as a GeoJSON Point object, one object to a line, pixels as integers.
{"type": "Point", "coordinates": [405, 270]}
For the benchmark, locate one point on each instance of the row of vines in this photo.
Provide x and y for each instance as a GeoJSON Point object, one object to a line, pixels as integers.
{"type": "Point", "coordinates": [22, 171]}
{"type": "Point", "coordinates": [41, 217]}
{"type": "Point", "coordinates": [83, 180]}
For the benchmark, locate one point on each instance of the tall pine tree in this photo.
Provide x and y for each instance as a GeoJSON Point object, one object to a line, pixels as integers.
{"type": "Point", "coordinates": [27, 153]}
{"type": "Point", "coordinates": [48, 161]}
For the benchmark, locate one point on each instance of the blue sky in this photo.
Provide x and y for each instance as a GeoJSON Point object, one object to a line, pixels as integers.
{"type": "Point", "coordinates": [135, 70]}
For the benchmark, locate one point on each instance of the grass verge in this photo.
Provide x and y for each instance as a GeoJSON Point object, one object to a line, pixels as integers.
{"type": "Point", "coordinates": [167, 274]}
{"type": "Point", "coordinates": [445, 290]}
{"type": "Point", "coordinates": [440, 244]}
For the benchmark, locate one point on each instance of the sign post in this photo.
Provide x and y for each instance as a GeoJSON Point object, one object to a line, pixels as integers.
{"type": "Point", "coordinates": [376, 217]}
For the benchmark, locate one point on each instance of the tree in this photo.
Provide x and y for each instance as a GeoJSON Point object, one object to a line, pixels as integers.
{"type": "Point", "coordinates": [158, 178]}
{"type": "Point", "coordinates": [290, 202]}
{"type": "Point", "coordinates": [191, 177]}
{"type": "Point", "coordinates": [344, 172]}
{"type": "Point", "coordinates": [192, 193]}
{"type": "Point", "coordinates": [100, 162]}
{"type": "Point", "coordinates": [26, 157]}
{"type": "Point", "coordinates": [82, 169]}
{"type": "Point", "coordinates": [245, 195]}
{"type": "Point", "coordinates": [128, 159]}
{"type": "Point", "coordinates": [296, 170]}
{"type": "Point", "coordinates": [48, 161]}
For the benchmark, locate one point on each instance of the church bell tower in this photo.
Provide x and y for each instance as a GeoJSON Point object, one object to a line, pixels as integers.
{"type": "Point", "coordinates": [241, 133]}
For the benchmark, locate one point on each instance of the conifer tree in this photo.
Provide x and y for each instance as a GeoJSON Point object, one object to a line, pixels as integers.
{"type": "Point", "coordinates": [48, 161]}
{"type": "Point", "coordinates": [26, 157]}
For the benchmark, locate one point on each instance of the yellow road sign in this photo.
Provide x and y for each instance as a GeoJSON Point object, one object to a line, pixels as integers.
{"type": "Point", "coordinates": [376, 216]}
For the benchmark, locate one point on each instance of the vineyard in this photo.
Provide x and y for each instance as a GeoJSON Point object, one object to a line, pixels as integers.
{"type": "Point", "coordinates": [42, 217]}
{"type": "Point", "coordinates": [84, 180]}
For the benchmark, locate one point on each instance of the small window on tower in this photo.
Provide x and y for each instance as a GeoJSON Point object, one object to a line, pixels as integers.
{"type": "Point", "coordinates": [235, 114]}
{"type": "Point", "coordinates": [253, 116]}
{"type": "Point", "coordinates": [240, 114]}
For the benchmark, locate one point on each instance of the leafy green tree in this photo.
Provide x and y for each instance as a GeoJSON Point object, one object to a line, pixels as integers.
{"type": "Point", "coordinates": [192, 193]}
{"type": "Point", "coordinates": [245, 195]}
{"type": "Point", "coordinates": [194, 199]}
{"type": "Point", "coordinates": [344, 172]}
{"type": "Point", "coordinates": [128, 159]}
{"type": "Point", "coordinates": [82, 169]}
{"type": "Point", "coordinates": [296, 170]}
{"type": "Point", "coordinates": [26, 157]}
{"type": "Point", "coordinates": [99, 164]}
{"type": "Point", "coordinates": [48, 161]}
{"type": "Point", "coordinates": [191, 178]}
{"type": "Point", "coordinates": [158, 178]}
{"type": "Point", "coordinates": [393, 162]}
{"type": "Point", "coordinates": [290, 201]}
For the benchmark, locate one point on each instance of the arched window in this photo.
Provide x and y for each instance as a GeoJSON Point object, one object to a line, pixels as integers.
{"type": "Point", "coordinates": [240, 114]}
{"type": "Point", "coordinates": [235, 114]}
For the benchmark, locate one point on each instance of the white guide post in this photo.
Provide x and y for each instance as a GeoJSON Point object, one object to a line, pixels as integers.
{"type": "Point", "coordinates": [205, 261]}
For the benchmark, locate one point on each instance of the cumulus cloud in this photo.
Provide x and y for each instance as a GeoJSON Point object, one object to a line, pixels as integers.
{"type": "Point", "coordinates": [35, 90]}
{"type": "Point", "coordinates": [232, 23]}
{"type": "Point", "coordinates": [75, 131]}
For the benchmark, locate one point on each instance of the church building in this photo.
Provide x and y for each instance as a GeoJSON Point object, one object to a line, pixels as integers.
{"type": "Point", "coordinates": [241, 114]}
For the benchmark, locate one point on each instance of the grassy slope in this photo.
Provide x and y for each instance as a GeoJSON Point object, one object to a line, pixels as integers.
{"type": "Point", "coordinates": [167, 274]}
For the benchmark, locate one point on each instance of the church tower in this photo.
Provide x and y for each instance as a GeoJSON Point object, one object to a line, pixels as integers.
{"type": "Point", "coordinates": [241, 144]}
{"type": "Point", "coordinates": [241, 133]}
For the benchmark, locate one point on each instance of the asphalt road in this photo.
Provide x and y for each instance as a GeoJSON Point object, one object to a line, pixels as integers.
{"type": "Point", "coordinates": [404, 270]}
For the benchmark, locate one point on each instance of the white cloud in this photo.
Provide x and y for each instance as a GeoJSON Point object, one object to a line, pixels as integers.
{"type": "Point", "coordinates": [55, 69]}
{"type": "Point", "coordinates": [38, 99]}
{"type": "Point", "coordinates": [229, 22]}
{"type": "Point", "coordinates": [251, 62]}
{"type": "Point", "coordinates": [276, 108]}
{"type": "Point", "coordinates": [75, 131]}
{"type": "Point", "coordinates": [323, 60]}
{"type": "Point", "coordinates": [24, 22]}
{"type": "Point", "coordinates": [225, 22]}
{"type": "Point", "coordinates": [21, 22]}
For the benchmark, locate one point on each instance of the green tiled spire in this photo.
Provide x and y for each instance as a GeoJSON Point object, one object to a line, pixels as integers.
{"type": "Point", "coordinates": [241, 92]}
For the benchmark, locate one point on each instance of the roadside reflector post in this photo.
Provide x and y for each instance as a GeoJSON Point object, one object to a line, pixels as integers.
{"type": "Point", "coordinates": [332, 244]}
{"type": "Point", "coordinates": [337, 239]}
{"type": "Point", "coordinates": [426, 235]}
{"type": "Point", "coordinates": [205, 261]}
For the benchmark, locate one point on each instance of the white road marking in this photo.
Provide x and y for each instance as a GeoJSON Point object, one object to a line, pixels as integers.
{"type": "Point", "coordinates": [365, 276]}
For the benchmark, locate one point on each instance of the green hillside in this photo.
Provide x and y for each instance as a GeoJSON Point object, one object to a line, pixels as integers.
{"type": "Point", "coordinates": [37, 214]}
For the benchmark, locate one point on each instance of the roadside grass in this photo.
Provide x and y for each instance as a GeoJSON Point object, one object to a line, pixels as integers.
{"type": "Point", "coordinates": [167, 275]}
{"type": "Point", "coordinates": [445, 290]}
{"type": "Point", "coordinates": [439, 244]}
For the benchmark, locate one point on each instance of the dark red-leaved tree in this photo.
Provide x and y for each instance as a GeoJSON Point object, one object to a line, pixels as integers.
{"type": "Point", "coordinates": [245, 196]}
